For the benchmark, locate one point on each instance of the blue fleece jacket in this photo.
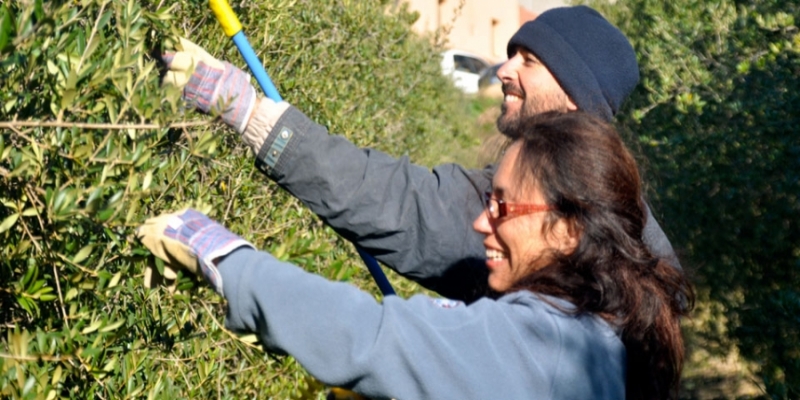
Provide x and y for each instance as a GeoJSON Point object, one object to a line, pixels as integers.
{"type": "Point", "coordinates": [517, 347]}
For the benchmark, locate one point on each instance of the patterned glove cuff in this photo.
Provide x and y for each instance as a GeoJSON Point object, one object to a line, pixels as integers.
{"type": "Point", "coordinates": [202, 90]}
{"type": "Point", "coordinates": [226, 91]}
{"type": "Point", "coordinates": [207, 239]}
{"type": "Point", "coordinates": [237, 97]}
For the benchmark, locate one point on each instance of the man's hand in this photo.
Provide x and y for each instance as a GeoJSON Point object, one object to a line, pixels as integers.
{"type": "Point", "coordinates": [189, 240]}
{"type": "Point", "coordinates": [211, 85]}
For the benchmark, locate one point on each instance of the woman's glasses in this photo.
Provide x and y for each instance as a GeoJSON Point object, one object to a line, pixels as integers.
{"type": "Point", "coordinates": [498, 208]}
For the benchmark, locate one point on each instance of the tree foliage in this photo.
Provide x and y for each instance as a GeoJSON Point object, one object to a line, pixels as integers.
{"type": "Point", "coordinates": [91, 145]}
{"type": "Point", "coordinates": [717, 115]}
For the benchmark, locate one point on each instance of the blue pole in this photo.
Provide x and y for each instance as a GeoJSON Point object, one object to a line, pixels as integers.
{"type": "Point", "coordinates": [377, 272]}
{"type": "Point", "coordinates": [255, 67]}
{"type": "Point", "coordinates": [233, 28]}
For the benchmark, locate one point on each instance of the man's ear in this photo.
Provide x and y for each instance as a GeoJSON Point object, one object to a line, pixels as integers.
{"type": "Point", "coordinates": [571, 106]}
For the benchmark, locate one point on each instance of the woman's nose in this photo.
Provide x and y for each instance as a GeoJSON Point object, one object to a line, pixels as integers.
{"type": "Point", "coordinates": [482, 224]}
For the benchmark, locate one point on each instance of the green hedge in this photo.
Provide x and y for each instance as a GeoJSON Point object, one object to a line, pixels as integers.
{"type": "Point", "coordinates": [717, 116]}
{"type": "Point", "coordinates": [92, 145]}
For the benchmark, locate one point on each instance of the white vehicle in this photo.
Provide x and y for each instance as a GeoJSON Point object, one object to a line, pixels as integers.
{"type": "Point", "coordinates": [464, 68]}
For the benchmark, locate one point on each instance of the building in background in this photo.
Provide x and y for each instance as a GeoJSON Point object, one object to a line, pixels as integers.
{"type": "Point", "coordinates": [540, 6]}
{"type": "Point", "coordinates": [482, 27]}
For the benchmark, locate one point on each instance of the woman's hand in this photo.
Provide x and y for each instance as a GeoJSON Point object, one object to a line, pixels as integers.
{"type": "Point", "coordinates": [189, 240]}
{"type": "Point", "coordinates": [210, 85]}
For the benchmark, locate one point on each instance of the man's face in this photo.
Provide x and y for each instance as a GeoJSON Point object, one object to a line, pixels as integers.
{"type": "Point", "coordinates": [529, 89]}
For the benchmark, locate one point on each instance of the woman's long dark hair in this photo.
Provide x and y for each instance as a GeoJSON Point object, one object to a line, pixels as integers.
{"type": "Point", "coordinates": [587, 174]}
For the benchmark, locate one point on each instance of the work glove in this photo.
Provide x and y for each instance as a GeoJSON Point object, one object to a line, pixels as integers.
{"type": "Point", "coordinates": [189, 240]}
{"type": "Point", "coordinates": [211, 85]}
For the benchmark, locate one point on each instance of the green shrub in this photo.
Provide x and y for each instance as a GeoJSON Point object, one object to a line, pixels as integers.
{"type": "Point", "coordinates": [716, 113]}
{"type": "Point", "coordinates": [92, 145]}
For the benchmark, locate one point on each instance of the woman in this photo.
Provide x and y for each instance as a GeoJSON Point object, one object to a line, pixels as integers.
{"type": "Point", "coordinates": [583, 310]}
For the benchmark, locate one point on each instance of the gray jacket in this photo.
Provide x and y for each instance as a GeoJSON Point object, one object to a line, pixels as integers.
{"type": "Point", "coordinates": [415, 220]}
{"type": "Point", "coordinates": [516, 347]}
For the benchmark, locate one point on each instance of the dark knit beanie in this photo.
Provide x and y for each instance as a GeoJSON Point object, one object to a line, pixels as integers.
{"type": "Point", "coordinates": [590, 58]}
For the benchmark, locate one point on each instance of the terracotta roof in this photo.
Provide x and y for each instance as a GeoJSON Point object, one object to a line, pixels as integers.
{"type": "Point", "coordinates": [525, 15]}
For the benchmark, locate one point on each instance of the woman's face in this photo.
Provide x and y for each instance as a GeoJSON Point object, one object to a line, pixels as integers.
{"type": "Point", "coordinates": [518, 245]}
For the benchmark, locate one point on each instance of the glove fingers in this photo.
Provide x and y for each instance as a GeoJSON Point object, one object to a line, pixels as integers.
{"type": "Point", "coordinates": [191, 240]}
{"type": "Point", "coordinates": [211, 85]}
{"type": "Point", "coordinates": [169, 273]}
{"type": "Point", "coordinates": [199, 53]}
{"type": "Point", "coordinates": [173, 252]}
{"type": "Point", "coordinates": [153, 279]}
{"type": "Point", "coordinates": [189, 46]}
{"type": "Point", "coordinates": [177, 79]}
{"type": "Point", "coordinates": [183, 62]}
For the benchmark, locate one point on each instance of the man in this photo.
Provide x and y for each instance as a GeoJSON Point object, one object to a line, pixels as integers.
{"type": "Point", "coordinates": [414, 220]}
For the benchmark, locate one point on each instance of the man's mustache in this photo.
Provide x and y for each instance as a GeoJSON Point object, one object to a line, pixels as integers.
{"type": "Point", "coordinates": [511, 88]}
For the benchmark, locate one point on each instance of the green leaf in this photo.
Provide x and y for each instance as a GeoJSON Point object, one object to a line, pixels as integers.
{"type": "Point", "coordinates": [251, 338]}
{"type": "Point", "coordinates": [38, 11]}
{"type": "Point", "coordinates": [111, 327]}
{"type": "Point", "coordinates": [159, 263]}
{"type": "Point", "coordinates": [71, 294]}
{"type": "Point", "coordinates": [68, 95]}
{"type": "Point", "coordinates": [111, 364]}
{"type": "Point", "coordinates": [5, 26]}
{"type": "Point", "coordinates": [104, 19]}
{"type": "Point", "coordinates": [148, 178]}
{"type": "Point", "coordinates": [33, 289]}
{"type": "Point", "coordinates": [27, 305]}
{"type": "Point", "coordinates": [8, 222]}
{"type": "Point", "coordinates": [83, 254]}
{"type": "Point", "coordinates": [28, 385]}
{"type": "Point", "coordinates": [104, 215]}
{"type": "Point", "coordinates": [93, 327]}
{"type": "Point", "coordinates": [115, 280]}
{"type": "Point", "coordinates": [93, 202]}
{"type": "Point", "coordinates": [56, 376]}
{"type": "Point", "coordinates": [30, 273]}
{"type": "Point", "coordinates": [47, 297]}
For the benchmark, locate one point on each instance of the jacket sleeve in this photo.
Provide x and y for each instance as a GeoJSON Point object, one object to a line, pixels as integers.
{"type": "Point", "coordinates": [406, 349]}
{"type": "Point", "coordinates": [415, 220]}
{"type": "Point", "coordinates": [657, 241]}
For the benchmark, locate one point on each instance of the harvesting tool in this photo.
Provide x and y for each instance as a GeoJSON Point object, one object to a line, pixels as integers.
{"type": "Point", "coordinates": [233, 29]}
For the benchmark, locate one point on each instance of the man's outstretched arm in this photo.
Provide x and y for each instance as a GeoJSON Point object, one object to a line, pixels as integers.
{"type": "Point", "coordinates": [415, 220]}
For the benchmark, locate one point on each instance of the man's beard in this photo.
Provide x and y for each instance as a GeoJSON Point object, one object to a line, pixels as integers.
{"type": "Point", "coordinates": [510, 125]}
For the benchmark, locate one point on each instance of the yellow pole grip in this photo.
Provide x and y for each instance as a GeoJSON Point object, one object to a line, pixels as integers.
{"type": "Point", "coordinates": [226, 17]}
